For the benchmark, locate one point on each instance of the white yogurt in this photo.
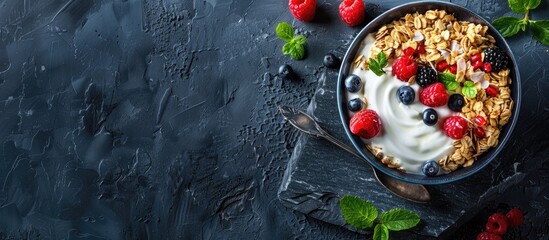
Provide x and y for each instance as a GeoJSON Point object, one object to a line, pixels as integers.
{"type": "Point", "coordinates": [404, 136]}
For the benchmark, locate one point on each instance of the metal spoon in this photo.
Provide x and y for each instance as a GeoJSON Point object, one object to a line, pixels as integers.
{"type": "Point", "coordinates": [306, 124]}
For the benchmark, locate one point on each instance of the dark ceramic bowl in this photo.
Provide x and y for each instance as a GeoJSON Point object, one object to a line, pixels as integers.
{"type": "Point", "coordinates": [461, 14]}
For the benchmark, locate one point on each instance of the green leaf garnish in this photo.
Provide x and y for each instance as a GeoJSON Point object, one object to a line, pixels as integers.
{"type": "Point", "coordinates": [294, 45]}
{"type": "Point", "coordinates": [469, 90]}
{"type": "Point", "coordinates": [509, 26]}
{"type": "Point", "coordinates": [357, 212]}
{"type": "Point", "coordinates": [540, 29]}
{"type": "Point", "coordinates": [377, 66]}
{"type": "Point", "coordinates": [285, 31]}
{"type": "Point", "coordinates": [521, 6]}
{"type": "Point", "coordinates": [449, 81]}
{"type": "Point", "coordinates": [381, 232]}
{"type": "Point", "coordinates": [399, 219]}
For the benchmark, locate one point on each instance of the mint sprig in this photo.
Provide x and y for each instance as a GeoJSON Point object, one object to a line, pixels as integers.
{"type": "Point", "coordinates": [469, 89]}
{"type": "Point", "coordinates": [295, 45]}
{"type": "Point", "coordinates": [509, 26]}
{"type": "Point", "coordinates": [377, 66]}
{"type": "Point", "coordinates": [449, 81]}
{"type": "Point", "coordinates": [363, 214]}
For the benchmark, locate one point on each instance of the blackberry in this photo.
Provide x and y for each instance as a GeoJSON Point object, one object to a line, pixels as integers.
{"type": "Point", "coordinates": [425, 76]}
{"type": "Point", "coordinates": [497, 58]}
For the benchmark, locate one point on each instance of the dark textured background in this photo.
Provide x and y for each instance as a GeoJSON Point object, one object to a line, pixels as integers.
{"type": "Point", "coordinates": [128, 119]}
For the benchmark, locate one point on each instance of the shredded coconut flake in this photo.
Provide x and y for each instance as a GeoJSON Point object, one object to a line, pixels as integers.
{"type": "Point", "coordinates": [418, 36]}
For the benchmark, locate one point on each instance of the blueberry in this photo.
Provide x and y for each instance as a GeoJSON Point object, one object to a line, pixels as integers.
{"type": "Point", "coordinates": [353, 83]}
{"type": "Point", "coordinates": [286, 72]}
{"type": "Point", "coordinates": [456, 102]}
{"type": "Point", "coordinates": [406, 95]}
{"type": "Point", "coordinates": [430, 168]}
{"type": "Point", "coordinates": [430, 117]}
{"type": "Point", "coordinates": [331, 61]}
{"type": "Point", "coordinates": [355, 105]}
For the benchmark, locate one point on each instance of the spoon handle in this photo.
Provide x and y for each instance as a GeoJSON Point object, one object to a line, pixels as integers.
{"type": "Point", "coordinates": [335, 141]}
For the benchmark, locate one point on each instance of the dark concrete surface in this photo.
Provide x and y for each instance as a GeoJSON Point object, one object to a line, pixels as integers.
{"type": "Point", "coordinates": [128, 119]}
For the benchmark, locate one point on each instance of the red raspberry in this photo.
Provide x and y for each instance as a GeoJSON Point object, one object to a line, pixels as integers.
{"type": "Point", "coordinates": [487, 67]}
{"type": "Point", "coordinates": [442, 65]}
{"type": "Point", "coordinates": [365, 123]}
{"type": "Point", "coordinates": [303, 10]}
{"type": "Point", "coordinates": [488, 236]}
{"type": "Point", "coordinates": [479, 121]}
{"type": "Point", "coordinates": [497, 224]}
{"type": "Point", "coordinates": [491, 91]}
{"type": "Point", "coordinates": [453, 69]}
{"type": "Point", "coordinates": [434, 95]}
{"type": "Point", "coordinates": [479, 132]}
{"type": "Point", "coordinates": [515, 217]}
{"type": "Point", "coordinates": [455, 127]}
{"type": "Point", "coordinates": [404, 68]}
{"type": "Point", "coordinates": [352, 12]}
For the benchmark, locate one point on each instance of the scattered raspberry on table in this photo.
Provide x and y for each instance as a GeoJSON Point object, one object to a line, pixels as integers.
{"type": "Point", "coordinates": [352, 12]}
{"type": "Point", "coordinates": [303, 10]}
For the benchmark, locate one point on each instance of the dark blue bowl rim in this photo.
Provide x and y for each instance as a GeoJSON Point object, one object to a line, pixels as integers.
{"type": "Point", "coordinates": [461, 173]}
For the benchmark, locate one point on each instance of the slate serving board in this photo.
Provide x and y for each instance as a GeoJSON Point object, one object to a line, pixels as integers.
{"type": "Point", "coordinates": [319, 174]}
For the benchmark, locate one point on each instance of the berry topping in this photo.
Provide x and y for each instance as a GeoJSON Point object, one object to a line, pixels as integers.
{"type": "Point", "coordinates": [491, 91]}
{"type": "Point", "coordinates": [433, 95]}
{"type": "Point", "coordinates": [420, 48]}
{"type": "Point", "coordinates": [442, 65]}
{"type": "Point", "coordinates": [488, 236]}
{"type": "Point", "coordinates": [430, 117]}
{"type": "Point", "coordinates": [409, 51]}
{"type": "Point", "coordinates": [480, 121]}
{"type": "Point", "coordinates": [487, 67]}
{"type": "Point", "coordinates": [425, 76]}
{"type": "Point", "coordinates": [479, 132]}
{"type": "Point", "coordinates": [477, 64]}
{"type": "Point", "coordinates": [365, 123]}
{"type": "Point", "coordinates": [286, 72]}
{"type": "Point", "coordinates": [497, 58]}
{"type": "Point", "coordinates": [331, 61]}
{"type": "Point", "coordinates": [406, 95]}
{"type": "Point", "coordinates": [355, 105]}
{"type": "Point", "coordinates": [515, 217]}
{"type": "Point", "coordinates": [475, 58]}
{"type": "Point", "coordinates": [497, 224]}
{"type": "Point", "coordinates": [455, 127]}
{"type": "Point", "coordinates": [456, 102]}
{"type": "Point", "coordinates": [353, 83]}
{"type": "Point", "coordinates": [303, 10]}
{"type": "Point", "coordinates": [352, 12]}
{"type": "Point", "coordinates": [404, 68]}
{"type": "Point", "coordinates": [453, 69]}
{"type": "Point", "coordinates": [430, 168]}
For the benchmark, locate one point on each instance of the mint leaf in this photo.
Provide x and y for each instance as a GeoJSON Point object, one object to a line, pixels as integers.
{"type": "Point", "coordinates": [449, 81]}
{"type": "Point", "coordinates": [469, 90]}
{"type": "Point", "coordinates": [399, 219]}
{"type": "Point", "coordinates": [375, 67]}
{"type": "Point", "coordinates": [382, 59]}
{"type": "Point", "coordinates": [286, 49]}
{"type": "Point", "coordinates": [509, 26]}
{"type": "Point", "coordinates": [540, 29]}
{"type": "Point", "coordinates": [297, 52]}
{"type": "Point", "coordinates": [381, 232]}
{"type": "Point", "coordinates": [300, 39]}
{"type": "Point", "coordinates": [285, 31]}
{"type": "Point", "coordinates": [521, 6]}
{"type": "Point", "coordinates": [357, 212]}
